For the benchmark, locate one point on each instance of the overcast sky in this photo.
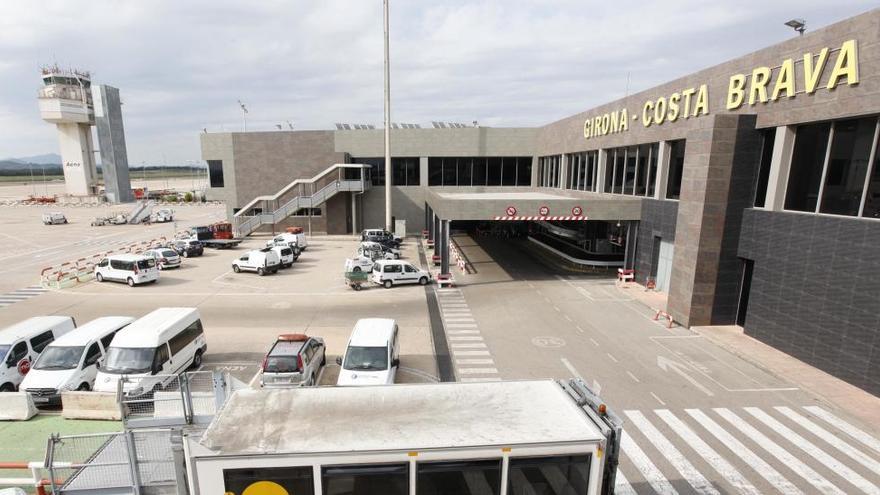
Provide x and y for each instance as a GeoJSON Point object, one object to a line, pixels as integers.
{"type": "Point", "coordinates": [181, 66]}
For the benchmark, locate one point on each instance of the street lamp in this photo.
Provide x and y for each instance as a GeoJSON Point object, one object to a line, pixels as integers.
{"type": "Point", "coordinates": [798, 25]}
{"type": "Point", "coordinates": [244, 112]}
{"type": "Point", "coordinates": [388, 225]}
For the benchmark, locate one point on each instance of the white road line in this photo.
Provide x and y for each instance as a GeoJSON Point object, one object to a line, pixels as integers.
{"type": "Point", "coordinates": [468, 346]}
{"type": "Point", "coordinates": [718, 463]}
{"type": "Point", "coordinates": [814, 451]}
{"type": "Point", "coordinates": [556, 308]}
{"type": "Point", "coordinates": [567, 317]}
{"type": "Point", "coordinates": [633, 377]}
{"type": "Point", "coordinates": [612, 358]}
{"type": "Point", "coordinates": [461, 332]}
{"type": "Point", "coordinates": [481, 379]}
{"type": "Point", "coordinates": [461, 325]}
{"type": "Point", "coordinates": [461, 362]}
{"type": "Point", "coordinates": [751, 459]}
{"type": "Point", "coordinates": [778, 452]}
{"type": "Point", "coordinates": [571, 368]}
{"type": "Point", "coordinates": [687, 470]}
{"type": "Point", "coordinates": [658, 399]}
{"type": "Point", "coordinates": [470, 353]}
{"type": "Point", "coordinates": [641, 461]}
{"type": "Point", "coordinates": [622, 486]}
{"type": "Point", "coordinates": [832, 439]}
{"type": "Point", "coordinates": [462, 338]}
{"type": "Point", "coordinates": [459, 319]}
{"type": "Point", "coordinates": [845, 427]}
{"type": "Point", "coordinates": [579, 329]}
{"type": "Point", "coordinates": [478, 371]}
{"type": "Point", "coordinates": [593, 341]}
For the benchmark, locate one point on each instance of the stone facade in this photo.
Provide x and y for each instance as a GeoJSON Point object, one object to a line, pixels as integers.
{"type": "Point", "coordinates": [658, 219]}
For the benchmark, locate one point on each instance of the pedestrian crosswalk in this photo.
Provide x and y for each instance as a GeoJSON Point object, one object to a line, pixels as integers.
{"type": "Point", "coordinates": [749, 450]}
{"type": "Point", "coordinates": [472, 359]}
{"type": "Point", "coordinates": [20, 295]}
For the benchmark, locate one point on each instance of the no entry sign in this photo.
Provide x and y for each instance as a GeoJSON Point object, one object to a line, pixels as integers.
{"type": "Point", "coordinates": [544, 211]}
{"type": "Point", "coordinates": [577, 211]}
{"type": "Point", "coordinates": [511, 211]}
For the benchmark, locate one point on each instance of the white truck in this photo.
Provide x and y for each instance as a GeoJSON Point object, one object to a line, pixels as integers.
{"type": "Point", "coordinates": [161, 216]}
{"type": "Point", "coordinates": [477, 437]}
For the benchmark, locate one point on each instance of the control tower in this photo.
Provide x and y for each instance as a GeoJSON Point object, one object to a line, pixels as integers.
{"type": "Point", "coordinates": [66, 101]}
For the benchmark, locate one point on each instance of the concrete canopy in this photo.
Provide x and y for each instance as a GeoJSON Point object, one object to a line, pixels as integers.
{"type": "Point", "coordinates": [488, 203]}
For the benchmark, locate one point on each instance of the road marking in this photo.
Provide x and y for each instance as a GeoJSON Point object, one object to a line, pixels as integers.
{"type": "Point", "coordinates": [830, 438]}
{"type": "Point", "coordinates": [687, 470]}
{"type": "Point", "coordinates": [724, 468]}
{"type": "Point", "coordinates": [612, 358]}
{"type": "Point", "coordinates": [814, 451]}
{"type": "Point", "coordinates": [579, 329]}
{"type": "Point", "coordinates": [658, 399]}
{"type": "Point", "coordinates": [633, 377]}
{"type": "Point", "coordinates": [461, 338]}
{"type": "Point", "coordinates": [468, 346]}
{"type": "Point", "coordinates": [481, 379]}
{"type": "Point", "coordinates": [567, 317]}
{"type": "Point", "coordinates": [571, 368]}
{"type": "Point", "coordinates": [460, 332]}
{"type": "Point", "coordinates": [459, 319]}
{"type": "Point", "coordinates": [667, 364]}
{"type": "Point", "coordinates": [556, 308]}
{"type": "Point", "coordinates": [641, 461]}
{"type": "Point", "coordinates": [778, 452]}
{"type": "Point", "coordinates": [622, 486]}
{"type": "Point", "coordinates": [478, 371]}
{"type": "Point", "coordinates": [474, 361]}
{"type": "Point", "coordinates": [593, 341]}
{"type": "Point", "coordinates": [750, 458]}
{"type": "Point", "coordinates": [461, 325]}
{"type": "Point", "coordinates": [845, 427]}
{"type": "Point", "coordinates": [471, 353]}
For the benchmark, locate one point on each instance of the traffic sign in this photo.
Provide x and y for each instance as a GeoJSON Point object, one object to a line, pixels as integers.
{"type": "Point", "coordinates": [511, 211]}
{"type": "Point", "coordinates": [577, 211]}
{"type": "Point", "coordinates": [544, 211]}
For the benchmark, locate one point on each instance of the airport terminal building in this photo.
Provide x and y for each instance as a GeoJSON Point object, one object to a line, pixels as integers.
{"type": "Point", "coordinates": [748, 191]}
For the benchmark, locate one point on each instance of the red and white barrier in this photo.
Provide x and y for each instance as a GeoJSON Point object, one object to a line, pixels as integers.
{"type": "Point", "coordinates": [664, 314]}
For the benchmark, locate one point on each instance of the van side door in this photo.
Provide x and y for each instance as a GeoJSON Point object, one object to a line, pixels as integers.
{"type": "Point", "coordinates": [89, 368]}
{"type": "Point", "coordinates": [410, 273]}
{"type": "Point", "coordinates": [17, 354]}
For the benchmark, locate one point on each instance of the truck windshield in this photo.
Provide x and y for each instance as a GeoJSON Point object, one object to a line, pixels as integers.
{"type": "Point", "coordinates": [129, 360]}
{"type": "Point", "coordinates": [59, 358]}
{"type": "Point", "coordinates": [366, 358]}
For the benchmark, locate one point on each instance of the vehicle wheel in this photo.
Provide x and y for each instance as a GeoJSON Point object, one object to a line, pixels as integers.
{"type": "Point", "coordinates": [197, 360]}
{"type": "Point", "coordinates": [356, 286]}
{"type": "Point", "coordinates": [397, 256]}
{"type": "Point", "coordinates": [388, 284]}
{"type": "Point", "coordinates": [130, 282]}
{"type": "Point", "coordinates": [7, 387]}
{"type": "Point", "coordinates": [83, 387]}
{"type": "Point", "coordinates": [423, 281]}
{"type": "Point", "coordinates": [261, 272]}
{"type": "Point", "coordinates": [356, 269]}
{"type": "Point", "coordinates": [99, 277]}
{"type": "Point", "coordinates": [324, 359]}
{"type": "Point", "coordinates": [235, 268]}
{"type": "Point", "coordinates": [65, 220]}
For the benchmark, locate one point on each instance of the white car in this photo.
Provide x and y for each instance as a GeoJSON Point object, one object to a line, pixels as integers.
{"type": "Point", "coordinates": [165, 257]}
{"type": "Point", "coordinates": [377, 251]}
{"type": "Point", "coordinates": [262, 261]}
{"type": "Point", "coordinates": [359, 264]}
{"type": "Point", "coordinates": [287, 239]}
{"type": "Point", "coordinates": [372, 355]}
{"type": "Point", "coordinates": [285, 255]}
{"type": "Point", "coordinates": [163, 215]}
{"type": "Point", "coordinates": [54, 218]}
{"type": "Point", "coordinates": [389, 273]}
{"type": "Point", "coordinates": [132, 269]}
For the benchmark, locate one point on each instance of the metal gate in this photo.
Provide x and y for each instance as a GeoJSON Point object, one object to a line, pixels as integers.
{"type": "Point", "coordinates": [664, 265]}
{"type": "Point", "coordinates": [174, 400]}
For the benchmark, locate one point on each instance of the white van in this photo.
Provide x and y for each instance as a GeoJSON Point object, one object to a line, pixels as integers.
{"type": "Point", "coordinates": [262, 261]}
{"type": "Point", "coordinates": [392, 272]}
{"type": "Point", "coordinates": [54, 218]}
{"type": "Point", "coordinates": [132, 269]}
{"type": "Point", "coordinates": [22, 343]}
{"type": "Point", "coordinates": [71, 362]}
{"type": "Point", "coordinates": [372, 355]}
{"type": "Point", "coordinates": [285, 255]}
{"type": "Point", "coordinates": [287, 239]}
{"type": "Point", "coordinates": [152, 350]}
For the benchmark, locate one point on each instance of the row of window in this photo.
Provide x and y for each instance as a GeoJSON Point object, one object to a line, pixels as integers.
{"type": "Point", "coordinates": [405, 171]}
{"type": "Point", "coordinates": [480, 171]}
{"type": "Point", "coordinates": [632, 170]}
{"type": "Point", "coordinates": [549, 171]}
{"type": "Point", "coordinates": [538, 475]}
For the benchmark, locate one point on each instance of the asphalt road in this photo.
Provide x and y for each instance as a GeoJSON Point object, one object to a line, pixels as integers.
{"type": "Point", "coordinates": [699, 419]}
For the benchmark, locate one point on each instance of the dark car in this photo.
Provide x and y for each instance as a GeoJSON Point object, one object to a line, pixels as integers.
{"type": "Point", "coordinates": [187, 247]}
{"type": "Point", "coordinates": [381, 236]}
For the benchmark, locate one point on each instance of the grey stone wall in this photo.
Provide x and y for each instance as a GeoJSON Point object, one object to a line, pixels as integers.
{"type": "Point", "coordinates": [469, 141]}
{"type": "Point", "coordinates": [408, 202]}
{"type": "Point", "coordinates": [815, 289]}
{"type": "Point", "coordinates": [111, 141]}
{"type": "Point", "coordinates": [658, 220]}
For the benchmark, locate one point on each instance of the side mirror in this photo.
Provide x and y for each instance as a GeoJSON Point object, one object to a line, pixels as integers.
{"type": "Point", "coordinates": [395, 362]}
{"type": "Point", "coordinates": [98, 365]}
{"type": "Point", "coordinates": [339, 360]}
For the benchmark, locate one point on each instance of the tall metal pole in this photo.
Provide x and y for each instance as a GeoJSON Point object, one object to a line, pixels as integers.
{"type": "Point", "coordinates": [388, 225]}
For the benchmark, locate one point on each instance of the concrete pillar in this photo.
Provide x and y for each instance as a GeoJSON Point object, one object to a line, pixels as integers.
{"type": "Point", "coordinates": [444, 246]}
{"type": "Point", "coordinates": [780, 165]}
{"type": "Point", "coordinates": [354, 225]}
{"type": "Point", "coordinates": [601, 166]}
{"type": "Point", "coordinates": [632, 236]}
{"type": "Point", "coordinates": [563, 171]}
{"type": "Point", "coordinates": [534, 177]}
{"type": "Point", "coordinates": [423, 173]}
{"type": "Point", "coordinates": [664, 153]}
{"type": "Point", "coordinates": [437, 235]}
{"type": "Point", "coordinates": [428, 225]}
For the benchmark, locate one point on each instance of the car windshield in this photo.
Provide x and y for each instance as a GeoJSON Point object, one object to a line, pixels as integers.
{"type": "Point", "coordinates": [281, 364]}
{"type": "Point", "coordinates": [129, 360]}
{"type": "Point", "coordinates": [148, 263]}
{"type": "Point", "coordinates": [168, 253]}
{"type": "Point", "coordinates": [366, 358]}
{"type": "Point", "coordinates": [3, 350]}
{"type": "Point", "coordinates": [59, 358]}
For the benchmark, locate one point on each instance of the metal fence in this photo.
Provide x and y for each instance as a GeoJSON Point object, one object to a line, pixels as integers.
{"type": "Point", "coordinates": [172, 400]}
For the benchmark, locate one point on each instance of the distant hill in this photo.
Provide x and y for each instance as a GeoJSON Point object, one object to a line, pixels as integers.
{"type": "Point", "coordinates": [47, 159]}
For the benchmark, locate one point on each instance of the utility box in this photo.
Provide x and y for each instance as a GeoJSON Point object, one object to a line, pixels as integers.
{"type": "Point", "coordinates": [400, 228]}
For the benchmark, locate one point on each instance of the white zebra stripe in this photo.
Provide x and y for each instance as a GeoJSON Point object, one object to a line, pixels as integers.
{"type": "Point", "coordinates": [845, 427]}
{"type": "Point", "coordinates": [762, 468]}
{"type": "Point", "coordinates": [464, 338]}
{"type": "Point", "coordinates": [462, 332]}
{"type": "Point", "coordinates": [778, 452]}
{"type": "Point", "coordinates": [687, 470]}
{"type": "Point", "coordinates": [724, 468]}
{"type": "Point", "coordinates": [643, 463]}
{"type": "Point", "coordinates": [814, 451]}
{"type": "Point", "coordinates": [622, 486]}
{"type": "Point", "coordinates": [478, 371]}
{"type": "Point", "coordinates": [470, 353]}
{"type": "Point", "coordinates": [824, 434]}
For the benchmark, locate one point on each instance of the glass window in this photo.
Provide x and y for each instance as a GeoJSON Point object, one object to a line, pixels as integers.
{"type": "Point", "coordinates": [105, 340]}
{"type": "Point", "coordinates": [653, 152]}
{"type": "Point", "coordinates": [560, 475]}
{"type": "Point", "coordinates": [292, 480]}
{"type": "Point", "coordinates": [93, 355]}
{"type": "Point", "coordinates": [435, 171]}
{"type": "Point", "coordinates": [524, 171]}
{"type": "Point", "coordinates": [40, 342]}
{"type": "Point", "coordinates": [478, 177]}
{"type": "Point", "coordinates": [642, 169]}
{"type": "Point", "coordinates": [18, 353]}
{"type": "Point", "coordinates": [808, 158]}
{"type": "Point", "coordinates": [619, 165]}
{"type": "Point", "coordinates": [508, 171]}
{"type": "Point", "coordinates": [768, 140]}
{"type": "Point", "coordinates": [459, 478]}
{"type": "Point", "coordinates": [847, 165]}
{"type": "Point", "coordinates": [59, 358]}
{"type": "Point", "coordinates": [366, 358]}
{"type": "Point", "coordinates": [413, 171]}
{"type": "Point", "coordinates": [609, 169]}
{"type": "Point", "coordinates": [383, 479]}
{"type": "Point", "coordinates": [450, 172]}
{"type": "Point", "coordinates": [129, 360]}
{"type": "Point", "coordinates": [629, 180]}
{"type": "Point", "coordinates": [872, 198]}
{"type": "Point", "coordinates": [676, 169]}
{"type": "Point", "coordinates": [398, 172]}
{"type": "Point", "coordinates": [215, 172]}
{"type": "Point", "coordinates": [464, 171]}
{"type": "Point", "coordinates": [493, 171]}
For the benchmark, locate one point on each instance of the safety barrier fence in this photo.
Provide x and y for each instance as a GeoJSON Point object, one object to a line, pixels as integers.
{"type": "Point", "coordinates": [73, 272]}
{"type": "Point", "coordinates": [37, 477]}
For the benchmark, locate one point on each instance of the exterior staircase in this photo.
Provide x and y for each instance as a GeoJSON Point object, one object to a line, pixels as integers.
{"type": "Point", "coordinates": [299, 194]}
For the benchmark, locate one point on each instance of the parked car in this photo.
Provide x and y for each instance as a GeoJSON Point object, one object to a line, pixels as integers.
{"type": "Point", "coordinates": [165, 257]}
{"type": "Point", "coordinates": [297, 241]}
{"type": "Point", "coordinates": [285, 255]}
{"type": "Point", "coordinates": [162, 215]}
{"type": "Point", "coordinates": [262, 261]}
{"type": "Point", "coordinates": [21, 344]}
{"type": "Point", "coordinates": [132, 269]}
{"type": "Point", "coordinates": [392, 272]}
{"type": "Point", "coordinates": [380, 235]}
{"type": "Point", "coordinates": [71, 362]}
{"type": "Point", "coordinates": [54, 218]}
{"type": "Point", "coordinates": [152, 351]}
{"type": "Point", "coordinates": [187, 247]}
{"type": "Point", "coordinates": [294, 360]}
{"type": "Point", "coordinates": [382, 251]}
{"type": "Point", "coordinates": [358, 264]}
{"type": "Point", "coordinates": [372, 355]}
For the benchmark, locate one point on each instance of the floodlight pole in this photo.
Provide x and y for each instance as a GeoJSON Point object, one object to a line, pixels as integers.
{"type": "Point", "coordinates": [388, 225]}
